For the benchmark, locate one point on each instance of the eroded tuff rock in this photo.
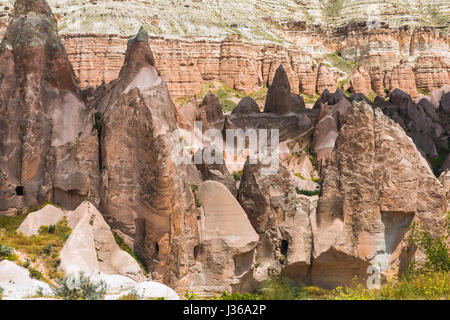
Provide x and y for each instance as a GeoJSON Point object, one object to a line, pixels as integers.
{"type": "Point", "coordinates": [360, 81]}
{"type": "Point", "coordinates": [402, 76]}
{"type": "Point", "coordinates": [228, 240]}
{"type": "Point", "coordinates": [49, 215]}
{"type": "Point", "coordinates": [375, 184]}
{"type": "Point", "coordinates": [210, 113]}
{"type": "Point", "coordinates": [246, 106]}
{"type": "Point", "coordinates": [187, 115]}
{"type": "Point", "coordinates": [426, 126]}
{"type": "Point", "coordinates": [43, 116]}
{"type": "Point", "coordinates": [18, 284]}
{"type": "Point", "coordinates": [325, 80]}
{"type": "Point", "coordinates": [329, 120]}
{"type": "Point", "coordinates": [281, 217]}
{"type": "Point", "coordinates": [145, 196]}
{"type": "Point", "coordinates": [216, 171]}
{"type": "Point", "coordinates": [279, 98]}
{"type": "Point", "coordinates": [91, 247]}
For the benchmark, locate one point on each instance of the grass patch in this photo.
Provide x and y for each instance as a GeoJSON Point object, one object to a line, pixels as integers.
{"type": "Point", "coordinates": [237, 175]}
{"type": "Point", "coordinates": [130, 296]}
{"type": "Point", "coordinates": [310, 98]}
{"type": "Point", "coordinates": [308, 193]}
{"type": "Point", "coordinates": [42, 250]}
{"type": "Point", "coordinates": [338, 61]}
{"type": "Point", "coordinates": [121, 243]}
{"type": "Point", "coordinates": [423, 286]}
{"type": "Point", "coordinates": [425, 93]}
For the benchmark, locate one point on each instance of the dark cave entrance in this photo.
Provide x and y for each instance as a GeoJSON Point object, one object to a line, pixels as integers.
{"type": "Point", "coordinates": [19, 191]}
{"type": "Point", "coordinates": [284, 247]}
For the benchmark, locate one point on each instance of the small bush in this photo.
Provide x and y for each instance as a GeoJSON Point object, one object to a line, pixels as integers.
{"type": "Point", "coordinates": [308, 193]}
{"type": "Point", "coordinates": [79, 288]}
{"type": "Point", "coordinates": [7, 253]}
{"type": "Point", "coordinates": [237, 175]}
{"type": "Point", "coordinates": [237, 296]}
{"type": "Point", "coordinates": [190, 295]}
{"type": "Point", "coordinates": [35, 274]}
{"type": "Point", "coordinates": [130, 296]}
{"type": "Point", "coordinates": [1, 293]}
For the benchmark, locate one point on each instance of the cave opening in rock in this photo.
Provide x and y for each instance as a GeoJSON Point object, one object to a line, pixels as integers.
{"type": "Point", "coordinates": [156, 248]}
{"type": "Point", "coordinates": [198, 250]}
{"type": "Point", "coordinates": [140, 236]}
{"type": "Point", "coordinates": [284, 247]}
{"type": "Point", "coordinates": [19, 191]}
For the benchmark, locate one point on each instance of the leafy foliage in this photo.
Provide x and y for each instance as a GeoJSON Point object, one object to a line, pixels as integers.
{"type": "Point", "coordinates": [308, 193]}
{"type": "Point", "coordinates": [79, 288]}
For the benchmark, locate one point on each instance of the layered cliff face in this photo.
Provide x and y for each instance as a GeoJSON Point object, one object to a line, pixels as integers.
{"type": "Point", "coordinates": [245, 46]}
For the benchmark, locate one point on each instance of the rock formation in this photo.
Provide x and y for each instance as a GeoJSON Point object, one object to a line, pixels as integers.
{"type": "Point", "coordinates": [49, 215]}
{"type": "Point", "coordinates": [325, 80]}
{"type": "Point", "coordinates": [215, 171]}
{"type": "Point", "coordinates": [246, 106]}
{"type": "Point", "coordinates": [281, 217]}
{"type": "Point", "coordinates": [426, 126]}
{"type": "Point", "coordinates": [210, 113]}
{"type": "Point", "coordinates": [375, 184]}
{"type": "Point", "coordinates": [228, 241]}
{"type": "Point", "coordinates": [360, 81]}
{"type": "Point", "coordinates": [17, 283]}
{"type": "Point", "coordinates": [279, 98]}
{"type": "Point", "coordinates": [44, 120]}
{"type": "Point", "coordinates": [143, 192]}
{"type": "Point", "coordinates": [91, 247]}
{"type": "Point", "coordinates": [402, 76]}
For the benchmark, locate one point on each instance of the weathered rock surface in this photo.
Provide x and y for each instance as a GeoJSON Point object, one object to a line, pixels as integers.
{"type": "Point", "coordinates": [281, 217]}
{"type": "Point", "coordinates": [49, 215]}
{"type": "Point", "coordinates": [246, 106]}
{"type": "Point", "coordinates": [188, 113]}
{"type": "Point", "coordinates": [279, 100]}
{"type": "Point", "coordinates": [43, 115]}
{"type": "Point", "coordinates": [402, 76]}
{"type": "Point", "coordinates": [142, 194]}
{"type": "Point", "coordinates": [17, 283]}
{"type": "Point", "coordinates": [330, 119]}
{"type": "Point", "coordinates": [325, 80]}
{"type": "Point", "coordinates": [91, 247]}
{"type": "Point", "coordinates": [210, 113]}
{"type": "Point", "coordinates": [216, 171]}
{"type": "Point", "coordinates": [360, 81]}
{"type": "Point", "coordinates": [148, 290]}
{"type": "Point", "coordinates": [370, 196]}
{"type": "Point", "coordinates": [228, 241]}
{"type": "Point", "coordinates": [426, 126]}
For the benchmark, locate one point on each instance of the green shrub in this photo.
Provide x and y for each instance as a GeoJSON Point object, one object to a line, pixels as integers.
{"type": "Point", "coordinates": [130, 296]}
{"type": "Point", "coordinates": [435, 249]}
{"type": "Point", "coordinates": [1, 293]}
{"type": "Point", "coordinates": [237, 175]}
{"type": "Point", "coordinates": [35, 274]}
{"type": "Point", "coordinates": [308, 193]}
{"type": "Point", "coordinates": [79, 288]}
{"type": "Point", "coordinates": [7, 253]}
{"type": "Point", "coordinates": [237, 296]}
